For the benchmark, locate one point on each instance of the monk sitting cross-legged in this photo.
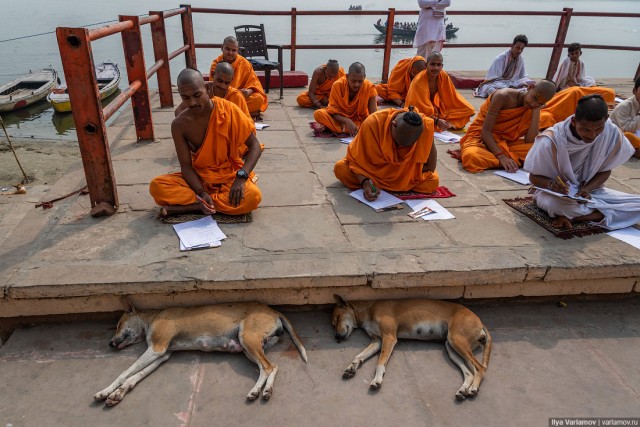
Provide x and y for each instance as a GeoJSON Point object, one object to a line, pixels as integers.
{"type": "Point", "coordinates": [433, 94]}
{"type": "Point", "coordinates": [208, 137]}
{"type": "Point", "coordinates": [563, 104]}
{"type": "Point", "coordinates": [395, 90]}
{"type": "Point", "coordinates": [322, 79]}
{"type": "Point", "coordinates": [393, 151]}
{"type": "Point", "coordinates": [626, 116]}
{"type": "Point", "coordinates": [505, 128]}
{"type": "Point", "coordinates": [352, 99]}
{"type": "Point", "coordinates": [244, 78]}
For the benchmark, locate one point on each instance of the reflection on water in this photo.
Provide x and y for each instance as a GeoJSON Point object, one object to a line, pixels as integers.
{"type": "Point", "coordinates": [379, 39]}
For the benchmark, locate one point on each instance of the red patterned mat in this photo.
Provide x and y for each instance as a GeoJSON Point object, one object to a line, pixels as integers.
{"type": "Point", "coordinates": [440, 193]}
{"type": "Point", "coordinates": [527, 206]}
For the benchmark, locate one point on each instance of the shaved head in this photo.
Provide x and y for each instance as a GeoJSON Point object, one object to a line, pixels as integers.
{"type": "Point", "coordinates": [333, 65]}
{"type": "Point", "coordinates": [407, 128]}
{"type": "Point", "coordinates": [546, 89]}
{"type": "Point", "coordinates": [419, 65]}
{"type": "Point", "coordinates": [357, 68]}
{"type": "Point", "coordinates": [225, 69]}
{"type": "Point", "coordinates": [230, 39]}
{"type": "Point", "coordinates": [189, 76]}
{"type": "Point", "coordinates": [435, 55]}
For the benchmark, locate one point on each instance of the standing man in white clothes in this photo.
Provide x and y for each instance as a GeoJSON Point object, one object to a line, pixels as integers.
{"type": "Point", "coordinates": [431, 34]}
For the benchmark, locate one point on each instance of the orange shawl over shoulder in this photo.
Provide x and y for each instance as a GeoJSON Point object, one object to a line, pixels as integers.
{"type": "Point", "coordinates": [564, 103]}
{"type": "Point", "coordinates": [448, 104]}
{"type": "Point", "coordinates": [374, 153]}
{"type": "Point", "coordinates": [356, 109]}
{"type": "Point", "coordinates": [235, 96]}
{"type": "Point", "coordinates": [243, 77]}
{"type": "Point", "coordinates": [399, 80]}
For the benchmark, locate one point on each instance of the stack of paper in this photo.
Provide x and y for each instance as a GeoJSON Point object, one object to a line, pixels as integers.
{"type": "Point", "coordinates": [346, 140]}
{"type": "Point", "coordinates": [446, 136]}
{"type": "Point", "coordinates": [573, 190]}
{"type": "Point", "coordinates": [260, 126]}
{"type": "Point", "coordinates": [199, 234]}
{"type": "Point", "coordinates": [519, 176]}
{"type": "Point", "coordinates": [384, 200]}
{"type": "Point", "coordinates": [439, 211]}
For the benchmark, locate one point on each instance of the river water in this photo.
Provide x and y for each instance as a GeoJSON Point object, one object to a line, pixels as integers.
{"type": "Point", "coordinates": [33, 17]}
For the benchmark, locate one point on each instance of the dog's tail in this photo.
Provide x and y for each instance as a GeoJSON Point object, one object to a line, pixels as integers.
{"type": "Point", "coordinates": [486, 352]}
{"type": "Point", "coordinates": [294, 336]}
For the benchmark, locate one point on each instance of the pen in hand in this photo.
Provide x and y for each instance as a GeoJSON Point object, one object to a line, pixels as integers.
{"type": "Point", "coordinates": [211, 208]}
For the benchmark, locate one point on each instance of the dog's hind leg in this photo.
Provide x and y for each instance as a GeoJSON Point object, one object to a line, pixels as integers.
{"type": "Point", "coordinates": [252, 339]}
{"type": "Point", "coordinates": [462, 346]}
{"type": "Point", "coordinates": [114, 398]}
{"type": "Point", "coordinates": [389, 341]}
{"type": "Point", "coordinates": [462, 393]}
{"type": "Point", "coordinates": [371, 349]}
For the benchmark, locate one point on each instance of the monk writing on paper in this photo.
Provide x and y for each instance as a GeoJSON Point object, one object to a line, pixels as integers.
{"type": "Point", "coordinates": [244, 78]}
{"type": "Point", "coordinates": [352, 99]}
{"type": "Point", "coordinates": [433, 94]}
{"type": "Point", "coordinates": [395, 90]}
{"type": "Point", "coordinates": [505, 128]}
{"type": "Point", "coordinates": [582, 151]}
{"type": "Point", "coordinates": [393, 151]}
{"type": "Point", "coordinates": [208, 137]}
{"type": "Point", "coordinates": [322, 79]}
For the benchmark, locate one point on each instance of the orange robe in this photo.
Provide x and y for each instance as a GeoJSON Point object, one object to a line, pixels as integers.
{"type": "Point", "coordinates": [374, 154]}
{"type": "Point", "coordinates": [216, 163]}
{"type": "Point", "coordinates": [564, 103]}
{"type": "Point", "coordinates": [245, 78]}
{"type": "Point", "coordinates": [356, 109]}
{"type": "Point", "coordinates": [399, 80]}
{"type": "Point", "coordinates": [633, 139]}
{"type": "Point", "coordinates": [511, 126]}
{"type": "Point", "coordinates": [235, 96]}
{"type": "Point", "coordinates": [322, 90]}
{"type": "Point", "coordinates": [448, 104]}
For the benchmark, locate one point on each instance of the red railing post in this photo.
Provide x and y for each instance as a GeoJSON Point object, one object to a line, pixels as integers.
{"type": "Point", "coordinates": [558, 45]}
{"type": "Point", "coordinates": [77, 62]}
{"type": "Point", "coordinates": [293, 38]}
{"type": "Point", "coordinates": [160, 52]}
{"type": "Point", "coordinates": [187, 37]}
{"type": "Point", "coordinates": [136, 70]}
{"type": "Point", "coordinates": [387, 45]}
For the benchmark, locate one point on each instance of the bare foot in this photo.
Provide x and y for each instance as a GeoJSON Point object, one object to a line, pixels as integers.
{"type": "Point", "coordinates": [170, 210]}
{"type": "Point", "coordinates": [562, 223]}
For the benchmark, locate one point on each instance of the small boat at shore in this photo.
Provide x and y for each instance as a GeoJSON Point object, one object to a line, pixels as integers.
{"type": "Point", "coordinates": [108, 78]}
{"type": "Point", "coordinates": [27, 89]}
{"type": "Point", "coordinates": [406, 32]}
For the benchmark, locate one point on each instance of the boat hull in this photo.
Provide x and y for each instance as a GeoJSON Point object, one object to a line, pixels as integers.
{"type": "Point", "coordinates": [27, 89]}
{"type": "Point", "coordinates": [401, 32]}
{"type": "Point", "coordinates": [108, 76]}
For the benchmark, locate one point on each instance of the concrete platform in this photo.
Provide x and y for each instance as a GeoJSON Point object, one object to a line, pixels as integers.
{"type": "Point", "coordinates": [576, 361]}
{"type": "Point", "coordinates": [308, 239]}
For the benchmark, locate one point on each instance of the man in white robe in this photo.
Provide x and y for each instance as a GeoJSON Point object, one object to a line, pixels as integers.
{"type": "Point", "coordinates": [580, 152]}
{"type": "Point", "coordinates": [431, 33]}
{"type": "Point", "coordinates": [571, 71]}
{"type": "Point", "coordinates": [507, 70]}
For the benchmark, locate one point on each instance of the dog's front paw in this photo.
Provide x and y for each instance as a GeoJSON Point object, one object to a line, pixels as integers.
{"type": "Point", "coordinates": [460, 395]}
{"type": "Point", "coordinates": [253, 395]}
{"type": "Point", "coordinates": [101, 395]}
{"type": "Point", "coordinates": [375, 385]}
{"type": "Point", "coordinates": [116, 397]}
{"type": "Point", "coordinates": [350, 372]}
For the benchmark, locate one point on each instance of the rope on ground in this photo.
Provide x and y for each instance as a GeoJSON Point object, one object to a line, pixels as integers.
{"type": "Point", "coordinates": [49, 204]}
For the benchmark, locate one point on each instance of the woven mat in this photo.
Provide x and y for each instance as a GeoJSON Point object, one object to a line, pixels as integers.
{"type": "Point", "coordinates": [219, 217]}
{"type": "Point", "coordinates": [440, 193]}
{"type": "Point", "coordinates": [528, 207]}
{"type": "Point", "coordinates": [320, 131]}
{"type": "Point", "coordinates": [456, 154]}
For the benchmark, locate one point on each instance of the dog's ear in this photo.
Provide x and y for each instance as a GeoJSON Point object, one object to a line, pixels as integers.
{"type": "Point", "coordinates": [128, 306]}
{"type": "Point", "coordinates": [340, 302]}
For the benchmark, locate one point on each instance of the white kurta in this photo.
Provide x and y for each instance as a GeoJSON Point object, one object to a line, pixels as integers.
{"type": "Point", "coordinates": [580, 77]}
{"type": "Point", "coordinates": [431, 28]}
{"type": "Point", "coordinates": [496, 78]}
{"type": "Point", "coordinates": [556, 152]}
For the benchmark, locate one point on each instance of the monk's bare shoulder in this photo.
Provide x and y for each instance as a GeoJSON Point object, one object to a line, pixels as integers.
{"type": "Point", "coordinates": [317, 73]}
{"type": "Point", "coordinates": [504, 98]}
{"type": "Point", "coordinates": [182, 122]}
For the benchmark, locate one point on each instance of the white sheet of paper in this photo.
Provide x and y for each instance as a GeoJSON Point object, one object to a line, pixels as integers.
{"type": "Point", "coordinates": [346, 140]}
{"type": "Point", "coordinates": [638, 132]}
{"type": "Point", "coordinates": [520, 176]}
{"type": "Point", "coordinates": [198, 233]}
{"type": "Point", "coordinates": [573, 189]}
{"type": "Point", "coordinates": [384, 200]}
{"type": "Point", "coordinates": [441, 213]}
{"type": "Point", "coordinates": [260, 126]}
{"type": "Point", "coordinates": [446, 136]}
{"type": "Point", "coordinates": [630, 235]}
{"type": "Point", "coordinates": [210, 245]}
{"type": "Point", "coordinates": [618, 100]}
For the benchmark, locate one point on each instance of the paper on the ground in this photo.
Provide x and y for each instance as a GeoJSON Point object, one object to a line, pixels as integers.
{"type": "Point", "coordinates": [630, 235]}
{"type": "Point", "coordinates": [384, 200]}
{"type": "Point", "coordinates": [519, 176]}
{"type": "Point", "coordinates": [440, 212]}
{"type": "Point", "coordinates": [446, 136]}
{"type": "Point", "coordinates": [573, 189]}
{"type": "Point", "coordinates": [618, 100]}
{"type": "Point", "coordinates": [210, 245]}
{"type": "Point", "coordinates": [201, 233]}
{"type": "Point", "coordinates": [346, 140]}
{"type": "Point", "coordinates": [260, 126]}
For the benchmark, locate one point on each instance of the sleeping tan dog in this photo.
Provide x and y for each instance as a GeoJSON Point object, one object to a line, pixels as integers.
{"type": "Point", "coordinates": [235, 327]}
{"type": "Point", "coordinates": [387, 320]}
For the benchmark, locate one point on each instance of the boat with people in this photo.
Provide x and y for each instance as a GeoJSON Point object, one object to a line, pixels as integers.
{"type": "Point", "coordinates": [355, 7]}
{"type": "Point", "coordinates": [107, 77]}
{"type": "Point", "coordinates": [410, 31]}
{"type": "Point", "coordinates": [27, 89]}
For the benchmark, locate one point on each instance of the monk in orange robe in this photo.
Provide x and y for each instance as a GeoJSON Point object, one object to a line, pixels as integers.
{"type": "Point", "coordinates": [208, 137]}
{"type": "Point", "coordinates": [504, 129]}
{"type": "Point", "coordinates": [244, 78]}
{"type": "Point", "coordinates": [352, 99]}
{"type": "Point", "coordinates": [433, 94]}
{"type": "Point", "coordinates": [393, 151]}
{"type": "Point", "coordinates": [564, 103]}
{"type": "Point", "coordinates": [395, 90]}
{"type": "Point", "coordinates": [322, 79]}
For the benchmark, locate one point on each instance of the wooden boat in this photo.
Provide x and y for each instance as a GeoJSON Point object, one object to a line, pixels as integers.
{"type": "Point", "coordinates": [27, 89]}
{"type": "Point", "coordinates": [401, 32]}
{"type": "Point", "coordinates": [108, 78]}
